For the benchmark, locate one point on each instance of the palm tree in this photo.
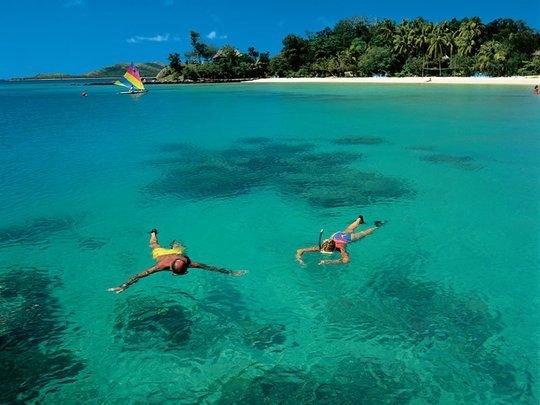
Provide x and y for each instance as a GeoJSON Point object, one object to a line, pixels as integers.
{"type": "Point", "coordinates": [194, 39]}
{"type": "Point", "coordinates": [421, 39]}
{"type": "Point", "coordinates": [491, 58]}
{"type": "Point", "coordinates": [358, 47]}
{"type": "Point", "coordinates": [383, 32]}
{"type": "Point", "coordinates": [401, 39]}
{"type": "Point", "coordinates": [450, 36]}
{"type": "Point", "coordinates": [469, 36]}
{"type": "Point", "coordinates": [295, 51]}
{"type": "Point", "coordinates": [416, 38]}
{"type": "Point", "coordinates": [440, 43]}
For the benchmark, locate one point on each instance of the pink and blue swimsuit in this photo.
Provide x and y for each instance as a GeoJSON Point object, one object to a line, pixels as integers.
{"type": "Point", "coordinates": [341, 238]}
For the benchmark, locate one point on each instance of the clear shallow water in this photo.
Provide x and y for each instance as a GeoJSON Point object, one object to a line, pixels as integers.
{"type": "Point", "coordinates": [439, 306]}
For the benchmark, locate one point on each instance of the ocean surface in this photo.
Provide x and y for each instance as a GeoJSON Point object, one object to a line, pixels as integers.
{"type": "Point", "coordinates": [439, 306]}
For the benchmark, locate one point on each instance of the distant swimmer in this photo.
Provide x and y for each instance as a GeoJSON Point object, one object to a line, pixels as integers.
{"type": "Point", "coordinates": [84, 94]}
{"type": "Point", "coordinates": [536, 90]}
{"type": "Point", "coordinates": [172, 259]}
{"type": "Point", "coordinates": [339, 241]}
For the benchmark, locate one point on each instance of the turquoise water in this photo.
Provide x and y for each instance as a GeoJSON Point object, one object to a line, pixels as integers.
{"type": "Point", "coordinates": [439, 306]}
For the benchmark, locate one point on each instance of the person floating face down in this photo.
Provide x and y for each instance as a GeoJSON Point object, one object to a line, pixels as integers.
{"type": "Point", "coordinates": [339, 241]}
{"type": "Point", "coordinates": [172, 259]}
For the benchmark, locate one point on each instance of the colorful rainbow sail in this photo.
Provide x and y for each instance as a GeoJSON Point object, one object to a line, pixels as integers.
{"type": "Point", "coordinates": [131, 80]}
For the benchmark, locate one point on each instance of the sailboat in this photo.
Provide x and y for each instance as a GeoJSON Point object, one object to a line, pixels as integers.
{"type": "Point", "coordinates": [132, 81]}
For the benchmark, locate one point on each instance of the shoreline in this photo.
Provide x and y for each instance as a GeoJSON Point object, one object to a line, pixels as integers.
{"type": "Point", "coordinates": [512, 81]}
{"type": "Point", "coordinates": [516, 80]}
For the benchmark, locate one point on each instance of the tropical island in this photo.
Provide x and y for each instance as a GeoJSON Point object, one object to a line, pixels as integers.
{"type": "Point", "coordinates": [359, 48]}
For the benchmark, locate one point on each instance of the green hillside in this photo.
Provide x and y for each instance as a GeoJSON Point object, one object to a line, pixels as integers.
{"type": "Point", "coordinates": [52, 76]}
{"type": "Point", "coordinates": [150, 69]}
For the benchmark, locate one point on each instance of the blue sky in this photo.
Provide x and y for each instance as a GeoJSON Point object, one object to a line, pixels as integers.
{"type": "Point", "coordinates": [77, 36]}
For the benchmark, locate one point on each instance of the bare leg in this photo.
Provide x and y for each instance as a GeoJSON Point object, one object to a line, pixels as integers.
{"type": "Point", "coordinates": [360, 235]}
{"type": "Point", "coordinates": [353, 226]}
{"type": "Point", "coordinates": [153, 241]}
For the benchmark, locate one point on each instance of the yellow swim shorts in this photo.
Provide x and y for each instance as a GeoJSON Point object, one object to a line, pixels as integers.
{"type": "Point", "coordinates": [158, 252]}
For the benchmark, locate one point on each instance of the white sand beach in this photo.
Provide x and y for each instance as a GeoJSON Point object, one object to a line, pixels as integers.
{"type": "Point", "coordinates": [516, 80]}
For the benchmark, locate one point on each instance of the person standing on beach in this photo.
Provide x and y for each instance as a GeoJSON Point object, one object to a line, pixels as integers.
{"type": "Point", "coordinates": [172, 259]}
{"type": "Point", "coordinates": [339, 241]}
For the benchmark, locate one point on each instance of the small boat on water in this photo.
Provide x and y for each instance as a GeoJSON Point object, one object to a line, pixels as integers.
{"type": "Point", "coordinates": [132, 81]}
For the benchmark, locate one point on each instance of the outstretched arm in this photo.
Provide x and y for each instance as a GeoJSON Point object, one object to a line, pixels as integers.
{"type": "Point", "coordinates": [135, 278]}
{"type": "Point", "coordinates": [300, 252]}
{"type": "Point", "coordinates": [344, 258]}
{"type": "Point", "coordinates": [236, 273]}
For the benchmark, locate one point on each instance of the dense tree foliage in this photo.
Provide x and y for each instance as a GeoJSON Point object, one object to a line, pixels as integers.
{"type": "Point", "coordinates": [359, 47]}
{"type": "Point", "coordinates": [207, 62]}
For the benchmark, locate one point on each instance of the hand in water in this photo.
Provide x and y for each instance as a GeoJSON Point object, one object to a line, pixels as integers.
{"type": "Point", "coordinates": [239, 273]}
{"type": "Point", "coordinates": [118, 290]}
